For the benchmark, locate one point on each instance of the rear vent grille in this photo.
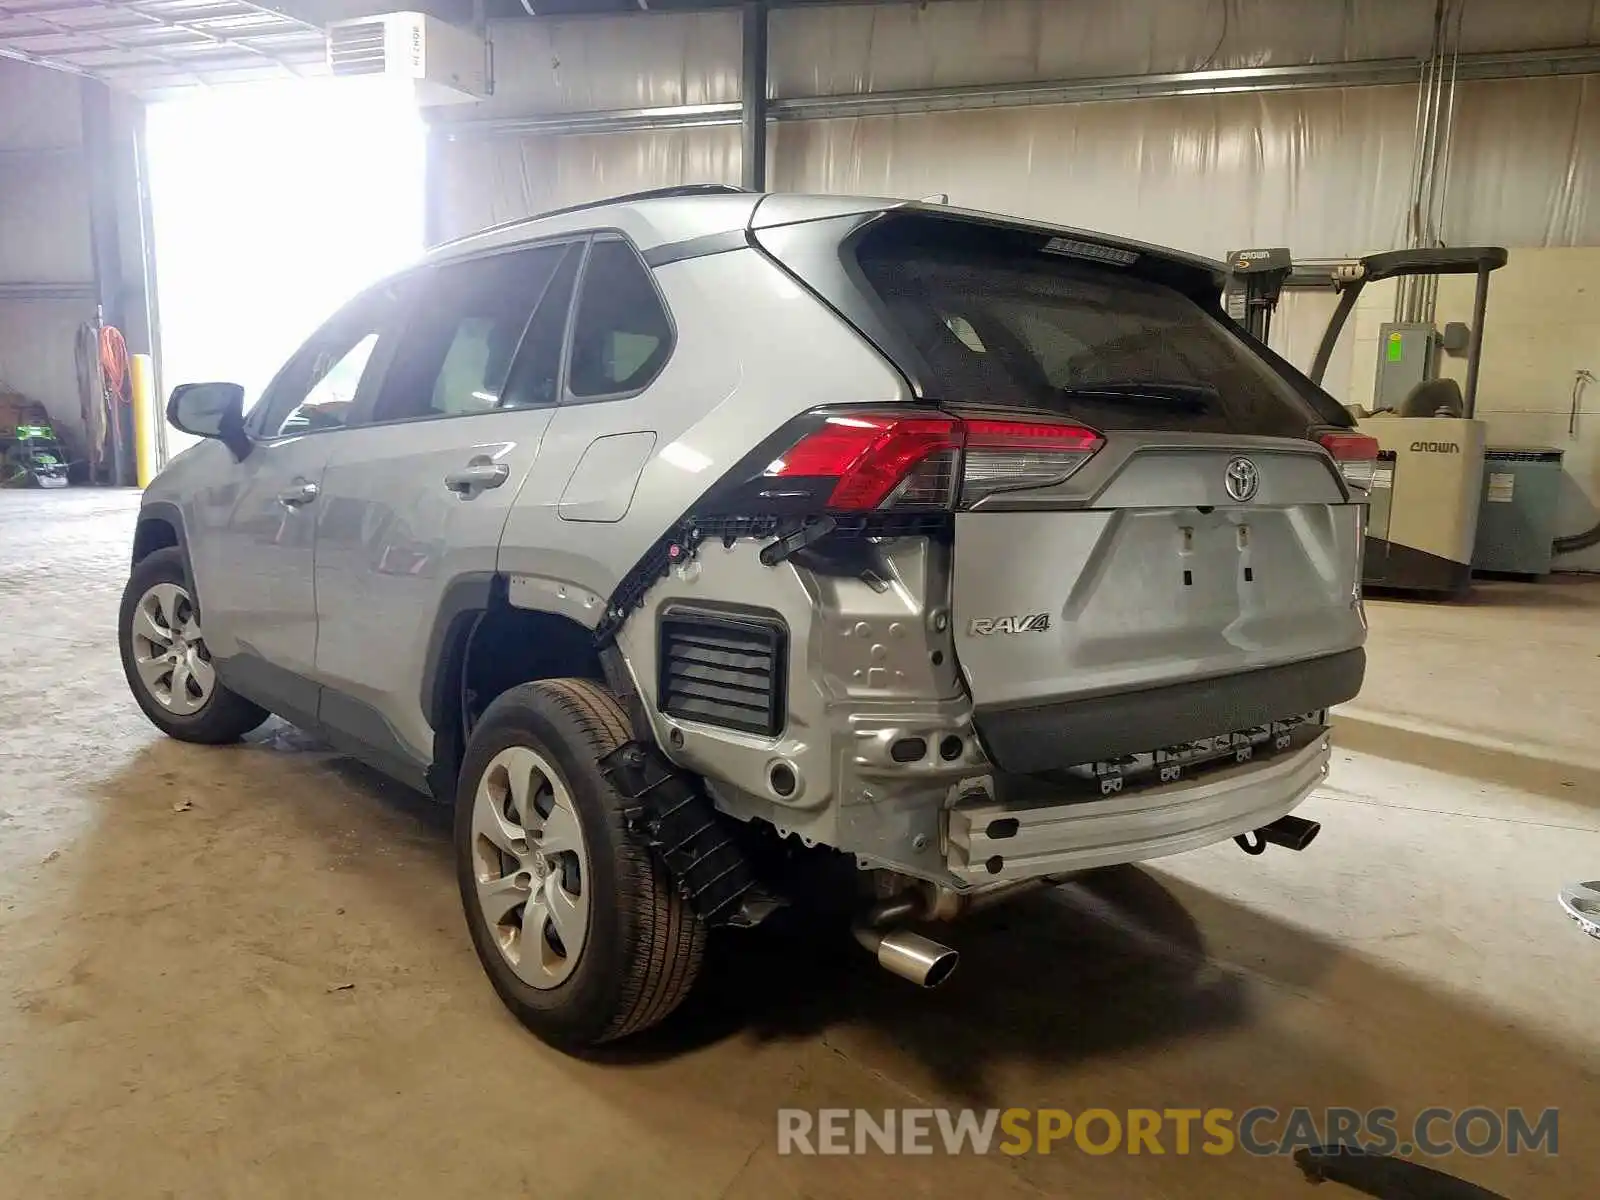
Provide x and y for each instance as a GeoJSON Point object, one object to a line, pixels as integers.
{"type": "Point", "coordinates": [723, 669]}
{"type": "Point", "coordinates": [356, 48]}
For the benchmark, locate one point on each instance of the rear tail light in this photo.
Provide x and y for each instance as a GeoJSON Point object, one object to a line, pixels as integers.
{"type": "Point", "coordinates": [1356, 456]}
{"type": "Point", "coordinates": [1003, 456]}
{"type": "Point", "coordinates": [876, 461]}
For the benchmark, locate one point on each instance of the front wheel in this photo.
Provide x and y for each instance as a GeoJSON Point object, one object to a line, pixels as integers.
{"type": "Point", "coordinates": [167, 663]}
{"type": "Point", "coordinates": [574, 920]}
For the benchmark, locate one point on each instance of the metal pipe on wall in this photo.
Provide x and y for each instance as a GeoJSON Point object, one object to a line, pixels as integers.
{"type": "Point", "coordinates": [912, 101]}
{"type": "Point", "coordinates": [1405, 290]}
{"type": "Point", "coordinates": [1417, 297]}
{"type": "Point", "coordinates": [1424, 284]}
{"type": "Point", "coordinates": [1449, 145]}
{"type": "Point", "coordinates": [1416, 167]}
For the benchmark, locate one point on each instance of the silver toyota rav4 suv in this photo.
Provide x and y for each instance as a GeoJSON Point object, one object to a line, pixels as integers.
{"type": "Point", "coordinates": [711, 550]}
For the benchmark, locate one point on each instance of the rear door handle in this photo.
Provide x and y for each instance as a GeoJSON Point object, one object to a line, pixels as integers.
{"type": "Point", "coordinates": [299, 494]}
{"type": "Point", "coordinates": [476, 476]}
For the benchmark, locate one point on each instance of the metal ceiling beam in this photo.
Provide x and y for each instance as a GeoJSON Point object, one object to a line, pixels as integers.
{"type": "Point", "coordinates": [34, 60]}
{"type": "Point", "coordinates": [114, 37]}
{"type": "Point", "coordinates": [1583, 60]}
{"type": "Point", "coordinates": [64, 57]}
{"type": "Point", "coordinates": [199, 29]}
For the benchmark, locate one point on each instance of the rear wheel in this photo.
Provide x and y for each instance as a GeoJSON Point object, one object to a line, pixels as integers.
{"type": "Point", "coordinates": [575, 922]}
{"type": "Point", "coordinates": [167, 662]}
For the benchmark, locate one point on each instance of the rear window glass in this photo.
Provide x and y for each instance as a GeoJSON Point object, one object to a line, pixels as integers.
{"type": "Point", "coordinates": [999, 322]}
{"type": "Point", "coordinates": [622, 335]}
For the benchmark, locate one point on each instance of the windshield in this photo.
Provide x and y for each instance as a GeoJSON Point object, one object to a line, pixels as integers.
{"type": "Point", "coordinates": [1030, 329]}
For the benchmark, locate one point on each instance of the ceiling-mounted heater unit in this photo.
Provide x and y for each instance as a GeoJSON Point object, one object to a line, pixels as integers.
{"type": "Point", "coordinates": [444, 63]}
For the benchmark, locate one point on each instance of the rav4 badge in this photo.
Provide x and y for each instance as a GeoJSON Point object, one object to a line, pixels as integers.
{"type": "Point", "coordinates": [1022, 623]}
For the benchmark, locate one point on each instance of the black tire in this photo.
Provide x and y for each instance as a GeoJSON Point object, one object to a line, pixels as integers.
{"type": "Point", "coordinates": [226, 716]}
{"type": "Point", "coordinates": [644, 944]}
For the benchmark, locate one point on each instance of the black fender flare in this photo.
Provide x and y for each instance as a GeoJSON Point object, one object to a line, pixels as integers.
{"type": "Point", "coordinates": [466, 599]}
{"type": "Point", "coordinates": [170, 514]}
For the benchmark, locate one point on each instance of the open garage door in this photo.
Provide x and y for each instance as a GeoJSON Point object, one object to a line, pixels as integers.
{"type": "Point", "coordinates": [271, 205]}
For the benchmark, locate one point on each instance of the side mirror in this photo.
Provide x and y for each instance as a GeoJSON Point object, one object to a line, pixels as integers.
{"type": "Point", "coordinates": [211, 410]}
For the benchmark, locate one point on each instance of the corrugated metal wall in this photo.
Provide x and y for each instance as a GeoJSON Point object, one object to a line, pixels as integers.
{"type": "Point", "coordinates": [589, 65]}
{"type": "Point", "coordinates": [483, 181]}
{"type": "Point", "coordinates": [593, 65]}
{"type": "Point", "coordinates": [864, 48]}
{"type": "Point", "coordinates": [44, 238]}
{"type": "Point", "coordinates": [1326, 171]}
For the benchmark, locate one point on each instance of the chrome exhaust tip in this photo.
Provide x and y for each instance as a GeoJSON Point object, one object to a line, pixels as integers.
{"type": "Point", "coordinates": [911, 956]}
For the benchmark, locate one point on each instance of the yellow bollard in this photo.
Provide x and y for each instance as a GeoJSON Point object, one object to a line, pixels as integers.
{"type": "Point", "coordinates": [141, 372]}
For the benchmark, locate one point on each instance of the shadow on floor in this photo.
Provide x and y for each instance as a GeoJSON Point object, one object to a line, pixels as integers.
{"type": "Point", "coordinates": [1569, 592]}
{"type": "Point", "coordinates": [1114, 948]}
{"type": "Point", "coordinates": [1110, 964]}
{"type": "Point", "coordinates": [1566, 592]}
{"type": "Point", "coordinates": [1123, 988]}
{"type": "Point", "coordinates": [1465, 760]}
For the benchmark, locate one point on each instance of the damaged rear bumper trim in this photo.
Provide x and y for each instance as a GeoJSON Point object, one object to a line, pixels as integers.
{"type": "Point", "coordinates": [1044, 839]}
{"type": "Point", "coordinates": [1049, 737]}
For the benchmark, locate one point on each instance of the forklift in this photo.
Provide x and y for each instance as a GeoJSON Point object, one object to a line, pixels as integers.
{"type": "Point", "coordinates": [1423, 513]}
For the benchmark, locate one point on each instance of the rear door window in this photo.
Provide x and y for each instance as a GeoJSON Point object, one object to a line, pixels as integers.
{"type": "Point", "coordinates": [535, 378]}
{"type": "Point", "coordinates": [621, 336]}
{"type": "Point", "coordinates": [1000, 322]}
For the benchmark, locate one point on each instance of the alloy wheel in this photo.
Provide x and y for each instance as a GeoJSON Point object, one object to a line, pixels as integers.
{"type": "Point", "coordinates": [169, 651]}
{"type": "Point", "coordinates": [531, 866]}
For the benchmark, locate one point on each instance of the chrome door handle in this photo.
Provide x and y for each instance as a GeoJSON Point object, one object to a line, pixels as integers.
{"type": "Point", "coordinates": [476, 476]}
{"type": "Point", "coordinates": [301, 493]}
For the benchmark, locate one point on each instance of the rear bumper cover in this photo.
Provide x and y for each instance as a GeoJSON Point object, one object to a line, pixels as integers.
{"type": "Point", "coordinates": [1050, 737]}
{"type": "Point", "coordinates": [990, 841]}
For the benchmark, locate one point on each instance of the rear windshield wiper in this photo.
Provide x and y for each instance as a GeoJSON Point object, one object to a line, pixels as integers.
{"type": "Point", "coordinates": [1185, 395]}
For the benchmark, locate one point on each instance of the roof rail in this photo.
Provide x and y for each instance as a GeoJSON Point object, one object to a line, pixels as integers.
{"type": "Point", "coordinates": [661, 193]}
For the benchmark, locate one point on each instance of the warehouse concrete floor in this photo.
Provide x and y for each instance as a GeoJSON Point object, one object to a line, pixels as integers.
{"type": "Point", "coordinates": [243, 972]}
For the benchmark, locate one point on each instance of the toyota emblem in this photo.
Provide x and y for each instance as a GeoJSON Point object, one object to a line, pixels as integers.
{"type": "Point", "coordinates": [1241, 479]}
